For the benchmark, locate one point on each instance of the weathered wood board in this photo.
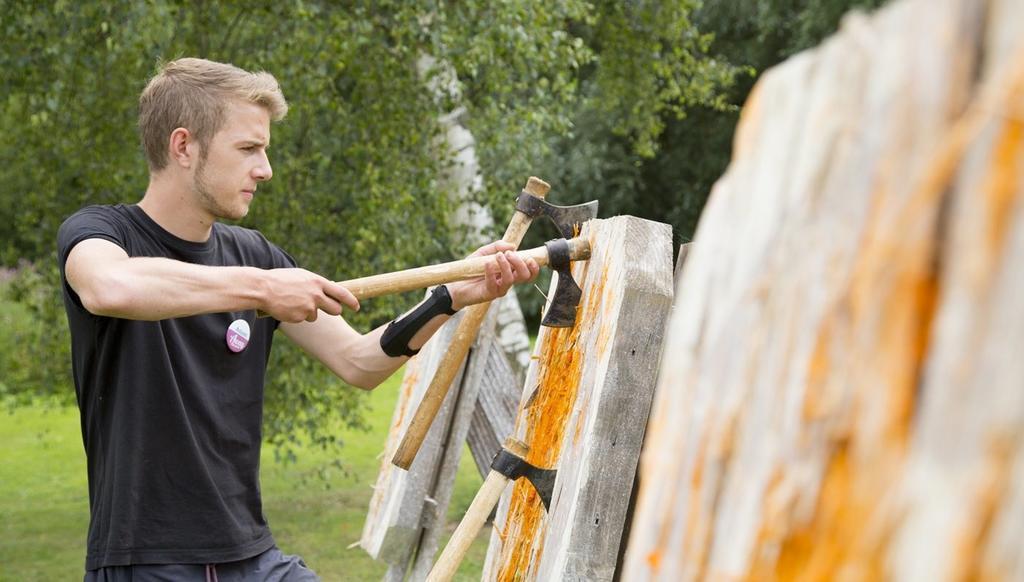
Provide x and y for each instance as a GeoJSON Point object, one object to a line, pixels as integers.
{"type": "Point", "coordinates": [841, 395]}
{"type": "Point", "coordinates": [402, 526]}
{"type": "Point", "coordinates": [394, 519]}
{"type": "Point", "coordinates": [495, 412]}
{"type": "Point", "coordinates": [477, 367]}
{"type": "Point", "coordinates": [500, 385]}
{"type": "Point", "coordinates": [510, 328]}
{"type": "Point", "coordinates": [684, 250]}
{"type": "Point", "coordinates": [584, 408]}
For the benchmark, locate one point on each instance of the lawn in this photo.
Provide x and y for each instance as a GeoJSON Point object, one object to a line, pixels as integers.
{"type": "Point", "coordinates": [44, 498]}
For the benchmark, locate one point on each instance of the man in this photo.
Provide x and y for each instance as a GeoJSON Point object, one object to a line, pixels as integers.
{"type": "Point", "coordinates": [169, 355]}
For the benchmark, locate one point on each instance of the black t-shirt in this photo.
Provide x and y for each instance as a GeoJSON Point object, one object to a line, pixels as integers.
{"type": "Point", "coordinates": [171, 417]}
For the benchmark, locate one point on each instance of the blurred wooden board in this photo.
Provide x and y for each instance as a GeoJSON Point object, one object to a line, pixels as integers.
{"type": "Point", "coordinates": [840, 396]}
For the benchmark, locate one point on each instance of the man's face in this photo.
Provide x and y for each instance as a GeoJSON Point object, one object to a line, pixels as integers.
{"type": "Point", "coordinates": [234, 162]}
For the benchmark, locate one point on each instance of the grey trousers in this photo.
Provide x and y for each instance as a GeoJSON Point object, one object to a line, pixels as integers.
{"type": "Point", "coordinates": [270, 566]}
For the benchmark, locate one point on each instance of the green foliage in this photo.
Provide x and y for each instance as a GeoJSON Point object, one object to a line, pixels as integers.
{"type": "Point", "coordinates": [630, 103]}
{"type": "Point", "coordinates": [35, 345]}
{"type": "Point", "coordinates": [359, 163]}
{"type": "Point", "coordinates": [662, 99]}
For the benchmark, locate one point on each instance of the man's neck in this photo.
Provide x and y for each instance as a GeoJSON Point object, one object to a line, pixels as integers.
{"type": "Point", "coordinates": [174, 208]}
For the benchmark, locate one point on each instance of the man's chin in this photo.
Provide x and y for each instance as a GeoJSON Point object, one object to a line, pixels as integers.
{"type": "Point", "coordinates": [233, 214]}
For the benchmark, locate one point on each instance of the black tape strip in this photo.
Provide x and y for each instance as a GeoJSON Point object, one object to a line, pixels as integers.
{"type": "Point", "coordinates": [396, 337]}
{"type": "Point", "coordinates": [509, 465]}
{"type": "Point", "coordinates": [558, 254]}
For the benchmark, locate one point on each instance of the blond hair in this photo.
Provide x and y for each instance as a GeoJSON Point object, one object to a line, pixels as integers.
{"type": "Point", "coordinates": [192, 93]}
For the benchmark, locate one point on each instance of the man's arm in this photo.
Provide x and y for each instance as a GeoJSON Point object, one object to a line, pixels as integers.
{"type": "Point", "coordinates": [359, 360]}
{"type": "Point", "coordinates": [111, 283]}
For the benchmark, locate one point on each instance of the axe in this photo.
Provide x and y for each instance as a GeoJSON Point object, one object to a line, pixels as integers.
{"type": "Point", "coordinates": [561, 311]}
{"type": "Point", "coordinates": [508, 465]}
{"type": "Point", "coordinates": [557, 253]}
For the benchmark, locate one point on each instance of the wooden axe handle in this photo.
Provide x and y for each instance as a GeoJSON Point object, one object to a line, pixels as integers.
{"type": "Point", "coordinates": [486, 498]}
{"type": "Point", "coordinates": [452, 359]}
{"type": "Point", "coordinates": [423, 277]}
{"type": "Point", "coordinates": [462, 539]}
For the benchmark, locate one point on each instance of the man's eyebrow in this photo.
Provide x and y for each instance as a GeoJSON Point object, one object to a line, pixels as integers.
{"type": "Point", "coordinates": [252, 142]}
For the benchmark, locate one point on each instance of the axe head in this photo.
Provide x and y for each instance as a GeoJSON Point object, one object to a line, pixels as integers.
{"type": "Point", "coordinates": [561, 310]}
{"type": "Point", "coordinates": [513, 467]}
{"type": "Point", "coordinates": [567, 219]}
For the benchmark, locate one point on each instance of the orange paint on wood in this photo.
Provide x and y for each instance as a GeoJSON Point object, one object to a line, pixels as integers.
{"type": "Point", "coordinates": [1001, 188]}
{"type": "Point", "coordinates": [546, 418]}
{"type": "Point", "coordinates": [990, 498]}
{"type": "Point", "coordinates": [412, 375]}
{"type": "Point", "coordinates": [838, 542]}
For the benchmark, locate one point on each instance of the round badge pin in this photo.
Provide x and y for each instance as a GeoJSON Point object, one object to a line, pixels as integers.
{"type": "Point", "coordinates": [238, 335]}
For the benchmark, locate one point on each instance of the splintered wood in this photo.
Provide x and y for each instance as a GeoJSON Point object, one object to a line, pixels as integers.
{"type": "Point", "coordinates": [841, 396]}
{"type": "Point", "coordinates": [584, 408]}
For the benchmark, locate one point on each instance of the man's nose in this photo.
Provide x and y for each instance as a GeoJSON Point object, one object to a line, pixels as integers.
{"type": "Point", "coordinates": [263, 172]}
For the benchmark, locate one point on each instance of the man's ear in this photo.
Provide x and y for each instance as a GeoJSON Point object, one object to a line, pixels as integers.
{"type": "Point", "coordinates": [182, 148]}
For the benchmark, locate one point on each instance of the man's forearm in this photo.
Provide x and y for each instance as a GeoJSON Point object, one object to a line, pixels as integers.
{"type": "Point", "coordinates": [147, 288]}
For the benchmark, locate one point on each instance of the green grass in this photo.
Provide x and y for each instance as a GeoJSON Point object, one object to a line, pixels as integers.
{"type": "Point", "coordinates": [44, 503]}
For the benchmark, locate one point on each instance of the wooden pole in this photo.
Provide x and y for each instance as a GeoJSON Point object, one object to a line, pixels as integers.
{"type": "Point", "coordinates": [456, 354]}
{"type": "Point", "coordinates": [423, 277]}
{"type": "Point", "coordinates": [583, 410]}
{"type": "Point", "coordinates": [485, 500]}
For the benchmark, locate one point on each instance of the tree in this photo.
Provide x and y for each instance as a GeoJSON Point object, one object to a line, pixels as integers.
{"type": "Point", "coordinates": [358, 171]}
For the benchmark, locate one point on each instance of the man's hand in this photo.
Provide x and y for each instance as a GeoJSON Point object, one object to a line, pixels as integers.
{"type": "Point", "coordinates": [504, 270]}
{"type": "Point", "coordinates": [294, 295]}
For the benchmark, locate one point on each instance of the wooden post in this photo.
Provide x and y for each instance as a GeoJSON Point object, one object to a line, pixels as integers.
{"type": "Point", "coordinates": [478, 366]}
{"type": "Point", "coordinates": [584, 408]}
{"type": "Point", "coordinates": [394, 520]}
{"type": "Point", "coordinates": [684, 250]}
{"type": "Point", "coordinates": [841, 397]}
{"type": "Point", "coordinates": [407, 512]}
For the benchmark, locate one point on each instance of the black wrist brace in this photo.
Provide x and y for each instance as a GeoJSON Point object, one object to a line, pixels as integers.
{"type": "Point", "coordinates": [396, 337]}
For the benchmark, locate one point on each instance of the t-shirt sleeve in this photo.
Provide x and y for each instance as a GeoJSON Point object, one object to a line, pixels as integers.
{"type": "Point", "coordinates": [281, 259]}
{"type": "Point", "coordinates": [89, 222]}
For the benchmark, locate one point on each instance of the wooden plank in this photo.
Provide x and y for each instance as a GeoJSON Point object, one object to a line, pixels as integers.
{"type": "Point", "coordinates": [684, 250]}
{"type": "Point", "coordinates": [477, 367]}
{"type": "Point", "coordinates": [961, 495]}
{"type": "Point", "coordinates": [394, 519]}
{"type": "Point", "coordinates": [842, 400]}
{"type": "Point", "coordinates": [513, 336]}
{"type": "Point", "coordinates": [495, 411]}
{"type": "Point", "coordinates": [501, 385]}
{"type": "Point", "coordinates": [403, 524]}
{"type": "Point", "coordinates": [584, 407]}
